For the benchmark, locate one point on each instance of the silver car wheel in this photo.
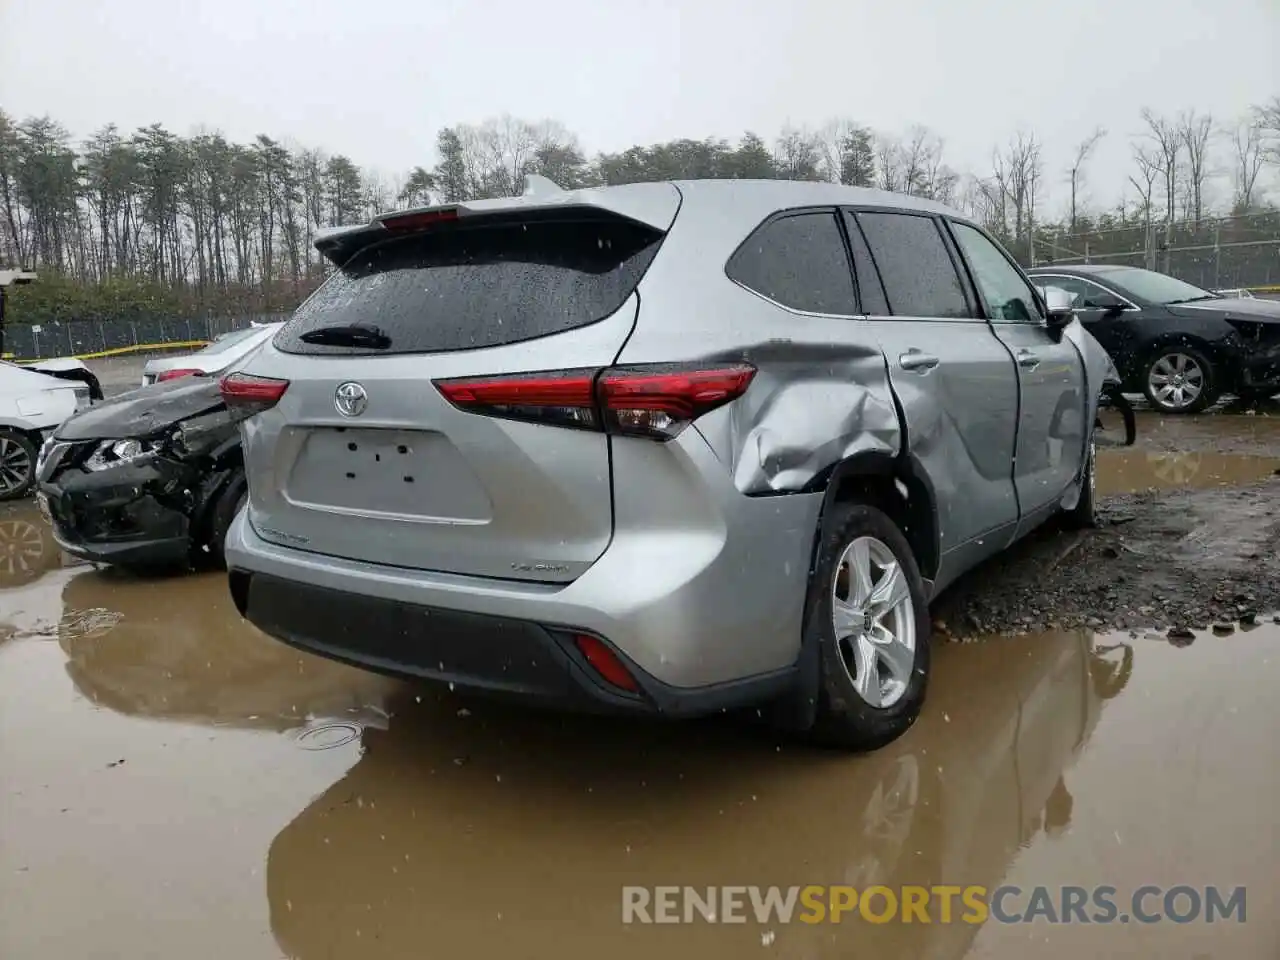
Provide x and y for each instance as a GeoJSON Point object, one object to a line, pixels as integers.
{"type": "Point", "coordinates": [15, 465]}
{"type": "Point", "coordinates": [874, 621]}
{"type": "Point", "coordinates": [1176, 381]}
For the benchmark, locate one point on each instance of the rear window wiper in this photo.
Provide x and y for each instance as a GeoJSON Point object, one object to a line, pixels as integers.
{"type": "Point", "coordinates": [347, 336]}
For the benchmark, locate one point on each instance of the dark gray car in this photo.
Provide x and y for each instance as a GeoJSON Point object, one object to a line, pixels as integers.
{"type": "Point", "coordinates": [666, 447]}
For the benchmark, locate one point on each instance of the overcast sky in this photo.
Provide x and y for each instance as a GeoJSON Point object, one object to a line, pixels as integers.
{"type": "Point", "coordinates": [375, 79]}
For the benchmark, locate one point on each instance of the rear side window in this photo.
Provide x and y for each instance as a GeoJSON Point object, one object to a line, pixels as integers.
{"type": "Point", "coordinates": [798, 261]}
{"type": "Point", "coordinates": [466, 287]}
{"type": "Point", "coordinates": [919, 278]}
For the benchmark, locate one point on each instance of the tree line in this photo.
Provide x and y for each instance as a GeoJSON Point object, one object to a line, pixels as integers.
{"type": "Point", "coordinates": [150, 222]}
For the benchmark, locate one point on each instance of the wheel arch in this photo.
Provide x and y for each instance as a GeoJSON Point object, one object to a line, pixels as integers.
{"type": "Point", "coordinates": [898, 486]}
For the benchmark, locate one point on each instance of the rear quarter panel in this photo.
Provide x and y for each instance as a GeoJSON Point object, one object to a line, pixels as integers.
{"type": "Point", "coordinates": [822, 391]}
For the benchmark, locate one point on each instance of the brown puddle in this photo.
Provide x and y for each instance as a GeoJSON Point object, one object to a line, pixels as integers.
{"type": "Point", "coordinates": [1134, 470]}
{"type": "Point", "coordinates": [161, 796]}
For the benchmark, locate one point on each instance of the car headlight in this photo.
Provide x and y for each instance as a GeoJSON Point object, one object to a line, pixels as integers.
{"type": "Point", "coordinates": [42, 455]}
{"type": "Point", "coordinates": [115, 453]}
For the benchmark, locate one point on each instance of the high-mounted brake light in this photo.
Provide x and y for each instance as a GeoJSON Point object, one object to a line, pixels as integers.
{"type": "Point", "coordinates": [416, 221]}
{"type": "Point", "coordinates": [175, 374]}
{"type": "Point", "coordinates": [656, 401]}
{"type": "Point", "coordinates": [246, 390]}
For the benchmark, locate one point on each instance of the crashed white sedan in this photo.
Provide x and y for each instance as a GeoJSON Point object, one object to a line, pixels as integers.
{"type": "Point", "coordinates": [32, 404]}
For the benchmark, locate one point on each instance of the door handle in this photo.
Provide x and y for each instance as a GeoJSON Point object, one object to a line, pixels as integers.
{"type": "Point", "coordinates": [1028, 360]}
{"type": "Point", "coordinates": [916, 361]}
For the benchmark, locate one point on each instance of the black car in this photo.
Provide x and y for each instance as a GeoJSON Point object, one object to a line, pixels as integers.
{"type": "Point", "coordinates": [146, 479]}
{"type": "Point", "coordinates": [1181, 346]}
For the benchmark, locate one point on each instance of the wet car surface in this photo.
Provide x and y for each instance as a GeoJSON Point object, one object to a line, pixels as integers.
{"type": "Point", "coordinates": [176, 784]}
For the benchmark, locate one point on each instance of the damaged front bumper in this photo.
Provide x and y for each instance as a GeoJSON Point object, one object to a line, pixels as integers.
{"type": "Point", "coordinates": [132, 513]}
{"type": "Point", "coordinates": [1260, 371]}
{"type": "Point", "coordinates": [145, 509]}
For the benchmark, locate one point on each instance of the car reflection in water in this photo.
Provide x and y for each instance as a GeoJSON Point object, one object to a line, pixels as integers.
{"type": "Point", "coordinates": [176, 650]}
{"type": "Point", "coordinates": [30, 598]}
{"type": "Point", "coordinates": [495, 833]}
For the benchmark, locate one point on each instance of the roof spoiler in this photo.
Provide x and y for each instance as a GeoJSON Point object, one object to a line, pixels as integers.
{"type": "Point", "coordinates": [536, 185]}
{"type": "Point", "coordinates": [652, 204]}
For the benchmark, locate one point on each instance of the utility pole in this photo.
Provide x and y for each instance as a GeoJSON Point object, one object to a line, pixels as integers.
{"type": "Point", "coordinates": [9, 278]}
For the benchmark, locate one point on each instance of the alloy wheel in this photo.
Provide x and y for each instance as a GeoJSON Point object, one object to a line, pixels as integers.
{"type": "Point", "coordinates": [1176, 381]}
{"type": "Point", "coordinates": [874, 621]}
{"type": "Point", "coordinates": [15, 465]}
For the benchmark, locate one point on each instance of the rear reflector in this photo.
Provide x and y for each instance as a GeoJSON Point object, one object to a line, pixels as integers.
{"type": "Point", "coordinates": [647, 401]}
{"type": "Point", "coordinates": [246, 390]}
{"type": "Point", "coordinates": [403, 222]}
{"type": "Point", "coordinates": [605, 662]}
{"type": "Point", "coordinates": [175, 374]}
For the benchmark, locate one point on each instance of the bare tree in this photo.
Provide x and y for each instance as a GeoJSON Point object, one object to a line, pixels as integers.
{"type": "Point", "coordinates": [888, 162]}
{"type": "Point", "coordinates": [1148, 164]}
{"type": "Point", "coordinates": [1268, 118]}
{"type": "Point", "coordinates": [982, 200]}
{"type": "Point", "coordinates": [1247, 145]}
{"type": "Point", "coordinates": [830, 139]}
{"type": "Point", "coordinates": [923, 172]}
{"type": "Point", "coordinates": [1084, 150]}
{"type": "Point", "coordinates": [1018, 173]}
{"type": "Point", "coordinates": [1194, 131]}
{"type": "Point", "coordinates": [1167, 138]}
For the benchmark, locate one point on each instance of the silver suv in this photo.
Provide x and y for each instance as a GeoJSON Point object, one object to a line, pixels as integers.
{"type": "Point", "coordinates": [667, 447]}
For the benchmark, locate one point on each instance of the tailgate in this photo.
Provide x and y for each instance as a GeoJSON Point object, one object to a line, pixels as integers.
{"type": "Point", "coordinates": [363, 458]}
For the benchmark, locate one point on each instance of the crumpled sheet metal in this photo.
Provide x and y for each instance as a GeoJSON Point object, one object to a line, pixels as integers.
{"type": "Point", "coordinates": [806, 411]}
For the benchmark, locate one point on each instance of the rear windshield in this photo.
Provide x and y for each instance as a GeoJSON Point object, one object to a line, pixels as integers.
{"type": "Point", "coordinates": [465, 287]}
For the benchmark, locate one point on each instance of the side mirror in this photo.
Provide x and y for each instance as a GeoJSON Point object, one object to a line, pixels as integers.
{"type": "Point", "coordinates": [1058, 307]}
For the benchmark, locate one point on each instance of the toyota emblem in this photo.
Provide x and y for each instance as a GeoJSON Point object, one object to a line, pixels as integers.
{"type": "Point", "coordinates": [350, 399]}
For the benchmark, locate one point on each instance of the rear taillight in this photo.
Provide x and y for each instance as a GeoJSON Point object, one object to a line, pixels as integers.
{"type": "Point", "coordinates": [649, 401]}
{"type": "Point", "coordinates": [175, 374]}
{"type": "Point", "coordinates": [250, 394]}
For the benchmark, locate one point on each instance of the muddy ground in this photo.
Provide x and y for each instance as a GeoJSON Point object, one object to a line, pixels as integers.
{"type": "Point", "coordinates": [1189, 538]}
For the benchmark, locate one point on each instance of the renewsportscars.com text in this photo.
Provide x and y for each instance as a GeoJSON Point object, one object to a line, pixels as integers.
{"type": "Point", "coordinates": [936, 904]}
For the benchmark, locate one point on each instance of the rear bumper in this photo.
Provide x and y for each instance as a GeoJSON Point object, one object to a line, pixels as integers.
{"type": "Point", "coordinates": [496, 656]}
{"type": "Point", "coordinates": [700, 626]}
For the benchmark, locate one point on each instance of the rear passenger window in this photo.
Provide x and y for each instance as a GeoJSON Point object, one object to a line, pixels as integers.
{"type": "Point", "coordinates": [798, 261]}
{"type": "Point", "coordinates": [919, 278]}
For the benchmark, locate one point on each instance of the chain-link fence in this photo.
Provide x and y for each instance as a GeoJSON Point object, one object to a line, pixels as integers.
{"type": "Point", "coordinates": [1228, 252]}
{"type": "Point", "coordinates": [104, 338]}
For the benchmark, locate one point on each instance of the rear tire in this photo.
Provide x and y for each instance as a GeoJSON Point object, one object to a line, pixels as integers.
{"type": "Point", "coordinates": [874, 671]}
{"type": "Point", "coordinates": [17, 464]}
{"type": "Point", "coordinates": [1084, 515]}
{"type": "Point", "coordinates": [225, 508]}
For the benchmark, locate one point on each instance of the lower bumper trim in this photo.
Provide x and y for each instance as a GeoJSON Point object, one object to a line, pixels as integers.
{"type": "Point", "coordinates": [482, 653]}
